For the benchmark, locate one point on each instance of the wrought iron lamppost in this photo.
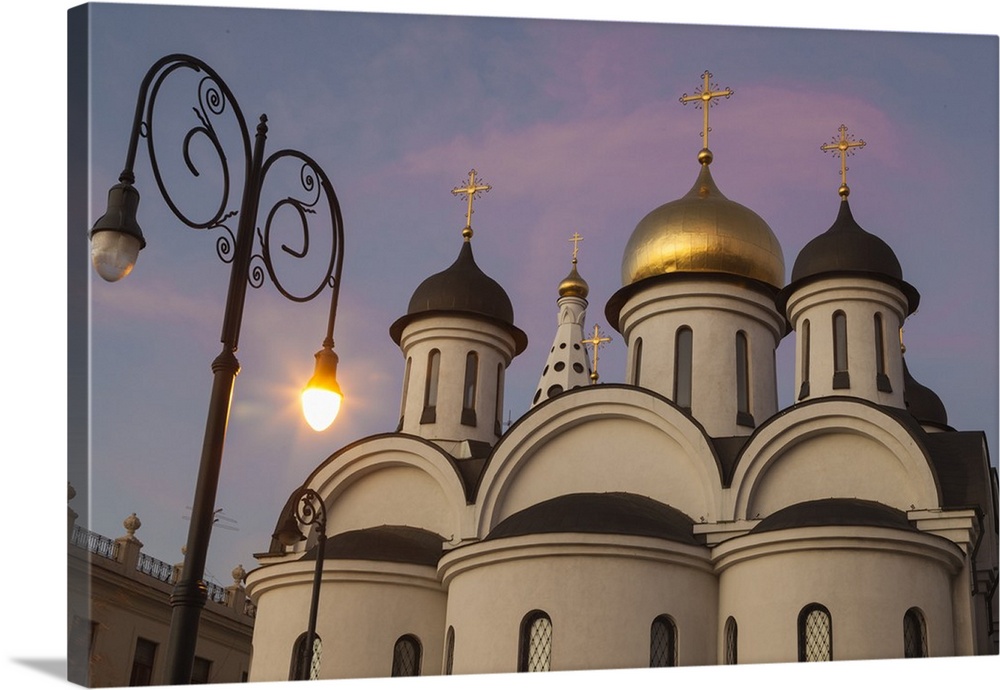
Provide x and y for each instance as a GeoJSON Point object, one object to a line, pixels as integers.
{"type": "Point", "coordinates": [116, 240]}
{"type": "Point", "coordinates": [309, 510]}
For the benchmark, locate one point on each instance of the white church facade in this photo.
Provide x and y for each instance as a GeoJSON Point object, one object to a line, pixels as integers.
{"type": "Point", "coordinates": [678, 518]}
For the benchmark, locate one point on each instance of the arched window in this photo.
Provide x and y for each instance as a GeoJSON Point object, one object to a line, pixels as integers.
{"type": "Point", "coordinates": [662, 642]}
{"type": "Point", "coordinates": [730, 641]}
{"type": "Point", "coordinates": [449, 651]}
{"type": "Point", "coordinates": [406, 657]}
{"type": "Point", "coordinates": [406, 388]}
{"type": "Point", "coordinates": [743, 416]}
{"type": "Point", "coordinates": [804, 350]}
{"type": "Point", "coordinates": [914, 634]}
{"type": "Point", "coordinates": [302, 668]}
{"type": "Point", "coordinates": [682, 367]}
{"type": "Point", "coordinates": [429, 415]}
{"type": "Point", "coordinates": [498, 422]}
{"type": "Point", "coordinates": [469, 390]}
{"type": "Point", "coordinates": [815, 634]}
{"type": "Point", "coordinates": [636, 361]}
{"type": "Point", "coordinates": [535, 644]}
{"type": "Point", "coordinates": [841, 379]}
{"type": "Point", "coordinates": [881, 377]}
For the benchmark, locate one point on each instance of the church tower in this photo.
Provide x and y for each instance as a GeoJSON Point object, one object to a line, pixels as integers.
{"type": "Point", "coordinates": [567, 366]}
{"type": "Point", "coordinates": [847, 301]}
{"type": "Point", "coordinates": [458, 337]}
{"type": "Point", "coordinates": [696, 309]}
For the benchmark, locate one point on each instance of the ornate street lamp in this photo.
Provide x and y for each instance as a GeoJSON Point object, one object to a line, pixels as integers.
{"type": "Point", "coordinates": [309, 510]}
{"type": "Point", "coordinates": [116, 240]}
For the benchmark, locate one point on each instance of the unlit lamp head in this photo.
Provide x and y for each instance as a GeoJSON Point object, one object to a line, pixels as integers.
{"type": "Point", "coordinates": [116, 239]}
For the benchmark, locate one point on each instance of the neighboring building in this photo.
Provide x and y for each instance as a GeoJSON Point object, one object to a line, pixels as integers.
{"type": "Point", "coordinates": [679, 518]}
{"type": "Point", "coordinates": [119, 615]}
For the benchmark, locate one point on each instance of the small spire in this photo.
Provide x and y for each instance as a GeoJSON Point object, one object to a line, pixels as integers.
{"type": "Point", "coordinates": [472, 190]}
{"type": "Point", "coordinates": [843, 146]}
{"type": "Point", "coordinates": [705, 98]}
{"type": "Point", "coordinates": [596, 343]}
{"type": "Point", "coordinates": [574, 284]}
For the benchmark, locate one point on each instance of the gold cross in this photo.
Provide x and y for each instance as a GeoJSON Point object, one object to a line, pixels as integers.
{"type": "Point", "coordinates": [596, 342]}
{"type": "Point", "coordinates": [472, 191]}
{"type": "Point", "coordinates": [704, 99]}
{"type": "Point", "coordinates": [576, 239]}
{"type": "Point", "coordinates": [843, 146]}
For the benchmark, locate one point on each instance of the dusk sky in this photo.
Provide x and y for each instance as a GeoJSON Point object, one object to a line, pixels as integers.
{"type": "Point", "coordinates": [578, 128]}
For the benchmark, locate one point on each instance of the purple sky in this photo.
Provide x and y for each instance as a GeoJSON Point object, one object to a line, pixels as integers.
{"type": "Point", "coordinates": [578, 127]}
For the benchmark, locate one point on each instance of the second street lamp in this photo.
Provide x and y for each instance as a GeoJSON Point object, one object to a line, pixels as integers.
{"type": "Point", "coordinates": [116, 240]}
{"type": "Point", "coordinates": [308, 509]}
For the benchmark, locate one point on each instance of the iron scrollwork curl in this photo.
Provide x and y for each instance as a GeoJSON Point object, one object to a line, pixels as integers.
{"type": "Point", "coordinates": [315, 192]}
{"type": "Point", "coordinates": [213, 100]}
{"type": "Point", "coordinates": [310, 509]}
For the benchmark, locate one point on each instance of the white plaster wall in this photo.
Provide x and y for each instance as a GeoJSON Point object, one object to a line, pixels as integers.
{"type": "Point", "coordinates": [603, 455]}
{"type": "Point", "coordinates": [715, 311]}
{"type": "Point", "coordinates": [867, 587]}
{"type": "Point", "coordinates": [455, 336]}
{"type": "Point", "coordinates": [364, 608]}
{"type": "Point", "coordinates": [833, 448]}
{"type": "Point", "coordinates": [393, 495]}
{"type": "Point", "coordinates": [600, 439]}
{"type": "Point", "coordinates": [860, 299]}
{"type": "Point", "coordinates": [601, 599]}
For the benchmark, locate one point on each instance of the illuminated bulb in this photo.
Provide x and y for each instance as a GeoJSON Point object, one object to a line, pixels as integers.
{"type": "Point", "coordinates": [320, 407]}
{"type": "Point", "coordinates": [322, 396]}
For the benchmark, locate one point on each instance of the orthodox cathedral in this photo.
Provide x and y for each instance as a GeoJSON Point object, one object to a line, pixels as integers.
{"type": "Point", "coordinates": [678, 518]}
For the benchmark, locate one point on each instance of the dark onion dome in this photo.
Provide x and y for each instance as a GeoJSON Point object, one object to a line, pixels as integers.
{"type": "Point", "coordinates": [599, 513]}
{"type": "Point", "coordinates": [703, 232]}
{"type": "Point", "coordinates": [853, 512]}
{"type": "Point", "coordinates": [461, 288]}
{"type": "Point", "coordinates": [847, 249]}
{"type": "Point", "coordinates": [393, 543]}
{"type": "Point", "coordinates": [923, 403]}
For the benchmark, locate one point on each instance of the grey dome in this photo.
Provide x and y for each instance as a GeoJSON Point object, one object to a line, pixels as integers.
{"type": "Point", "coordinates": [834, 511]}
{"type": "Point", "coordinates": [462, 288]}
{"type": "Point", "coordinates": [847, 248]}
{"type": "Point", "coordinates": [923, 403]}
{"type": "Point", "coordinates": [599, 513]}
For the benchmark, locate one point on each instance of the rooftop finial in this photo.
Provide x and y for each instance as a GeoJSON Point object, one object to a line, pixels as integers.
{"type": "Point", "coordinates": [596, 342]}
{"type": "Point", "coordinates": [843, 146]}
{"type": "Point", "coordinates": [705, 98]}
{"type": "Point", "coordinates": [471, 191]}
{"type": "Point", "coordinates": [576, 239]}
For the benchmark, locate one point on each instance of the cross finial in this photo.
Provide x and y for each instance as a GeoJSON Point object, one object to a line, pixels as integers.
{"type": "Point", "coordinates": [596, 342]}
{"type": "Point", "coordinates": [843, 146]}
{"type": "Point", "coordinates": [471, 191]}
{"type": "Point", "coordinates": [705, 98]}
{"type": "Point", "coordinates": [576, 239]}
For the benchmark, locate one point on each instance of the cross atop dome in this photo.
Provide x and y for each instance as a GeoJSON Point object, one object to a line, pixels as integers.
{"type": "Point", "coordinates": [473, 190]}
{"type": "Point", "coordinates": [843, 146]}
{"type": "Point", "coordinates": [705, 98]}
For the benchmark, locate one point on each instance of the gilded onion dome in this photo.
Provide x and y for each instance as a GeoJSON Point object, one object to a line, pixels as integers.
{"type": "Point", "coordinates": [703, 232]}
{"type": "Point", "coordinates": [574, 285]}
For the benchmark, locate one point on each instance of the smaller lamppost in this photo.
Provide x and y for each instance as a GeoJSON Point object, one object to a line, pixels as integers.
{"type": "Point", "coordinates": [309, 510]}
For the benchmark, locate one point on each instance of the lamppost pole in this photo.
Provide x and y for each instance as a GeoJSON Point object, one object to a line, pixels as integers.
{"type": "Point", "coordinates": [309, 510]}
{"type": "Point", "coordinates": [116, 240]}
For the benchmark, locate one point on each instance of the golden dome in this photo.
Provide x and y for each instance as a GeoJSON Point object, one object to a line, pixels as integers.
{"type": "Point", "coordinates": [703, 232]}
{"type": "Point", "coordinates": [574, 285]}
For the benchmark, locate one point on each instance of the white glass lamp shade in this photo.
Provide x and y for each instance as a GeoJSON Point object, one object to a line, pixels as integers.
{"type": "Point", "coordinates": [114, 253]}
